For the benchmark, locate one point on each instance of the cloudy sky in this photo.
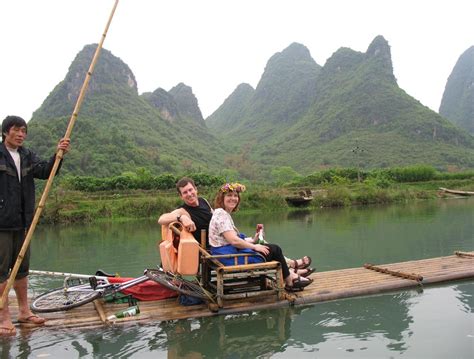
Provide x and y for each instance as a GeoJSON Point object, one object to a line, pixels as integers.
{"type": "Point", "coordinates": [214, 45]}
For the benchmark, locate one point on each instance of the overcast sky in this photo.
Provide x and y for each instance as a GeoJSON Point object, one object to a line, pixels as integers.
{"type": "Point", "coordinates": [214, 45]}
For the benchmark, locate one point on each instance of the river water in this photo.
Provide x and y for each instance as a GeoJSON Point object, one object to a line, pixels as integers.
{"type": "Point", "coordinates": [436, 322]}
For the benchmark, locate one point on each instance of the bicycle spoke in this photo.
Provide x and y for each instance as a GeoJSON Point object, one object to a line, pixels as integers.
{"type": "Point", "coordinates": [63, 299]}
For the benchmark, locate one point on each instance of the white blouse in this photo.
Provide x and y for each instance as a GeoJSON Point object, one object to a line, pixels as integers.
{"type": "Point", "coordinates": [221, 222]}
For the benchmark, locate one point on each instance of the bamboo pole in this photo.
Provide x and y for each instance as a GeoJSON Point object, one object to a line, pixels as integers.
{"type": "Point", "coordinates": [100, 310]}
{"type": "Point", "coordinates": [412, 276]}
{"type": "Point", "coordinates": [57, 161]}
{"type": "Point", "coordinates": [464, 254]}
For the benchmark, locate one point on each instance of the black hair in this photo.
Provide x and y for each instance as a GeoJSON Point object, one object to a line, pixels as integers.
{"type": "Point", "coordinates": [12, 121]}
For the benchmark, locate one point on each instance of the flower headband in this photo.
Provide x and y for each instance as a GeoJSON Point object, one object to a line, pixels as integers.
{"type": "Point", "coordinates": [231, 187]}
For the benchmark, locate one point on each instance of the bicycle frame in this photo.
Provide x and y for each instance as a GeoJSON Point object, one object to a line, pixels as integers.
{"type": "Point", "coordinates": [104, 285]}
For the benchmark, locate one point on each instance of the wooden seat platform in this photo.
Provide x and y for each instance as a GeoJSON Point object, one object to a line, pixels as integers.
{"type": "Point", "coordinates": [330, 285]}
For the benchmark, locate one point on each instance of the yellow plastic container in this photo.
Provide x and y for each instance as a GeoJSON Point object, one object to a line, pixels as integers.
{"type": "Point", "coordinates": [188, 256]}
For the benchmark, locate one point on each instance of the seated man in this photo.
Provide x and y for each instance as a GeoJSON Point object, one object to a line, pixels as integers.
{"type": "Point", "coordinates": [196, 213]}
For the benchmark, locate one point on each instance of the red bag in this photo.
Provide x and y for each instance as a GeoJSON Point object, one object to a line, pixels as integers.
{"type": "Point", "coordinates": [146, 291]}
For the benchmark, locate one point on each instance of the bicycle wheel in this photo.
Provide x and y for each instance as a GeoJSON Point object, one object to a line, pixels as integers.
{"type": "Point", "coordinates": [63, 299]}
{"type": "Point", "coordinates": [178, 283]}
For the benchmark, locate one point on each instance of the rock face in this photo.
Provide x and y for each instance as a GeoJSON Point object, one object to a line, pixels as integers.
{"type": "Point", "coordinates": [457, 104]}
{"type": "Point", "coordinates": [110, 72]}
{"type": "Point", "coordinates": [187, 103]}
{"type": "Point", "coordinates": [179, 105]}
{"type": "Point", "coordinates": [164, 103]}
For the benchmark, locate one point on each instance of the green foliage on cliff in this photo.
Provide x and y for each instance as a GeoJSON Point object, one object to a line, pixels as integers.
{"type": "Point", "coordinates": [354, 115]}
{"type": "Point", "coordinates": [457, 104]}
{"type": "Point", "coordinates": [300, 118]}
{"type": "Point", "coordinates": [117, 130]}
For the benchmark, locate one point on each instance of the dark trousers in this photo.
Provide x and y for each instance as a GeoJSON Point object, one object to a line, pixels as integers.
{"type": "Point", "coordinates": [10, 246]}
{"type": "Point", "coordinates": [276, 254]}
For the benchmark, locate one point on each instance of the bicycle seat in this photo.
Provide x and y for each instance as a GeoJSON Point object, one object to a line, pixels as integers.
{"type": "Point", "coordinates": [102, 273]}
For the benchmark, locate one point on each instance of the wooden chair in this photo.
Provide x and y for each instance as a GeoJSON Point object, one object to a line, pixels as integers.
{"type": "Point", "coordinates": [238, 281]}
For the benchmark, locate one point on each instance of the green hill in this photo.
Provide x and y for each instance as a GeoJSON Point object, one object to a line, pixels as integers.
{"type": "Point", "coordinates": [232, 110]}
{"type": "Point", "coordinates": [350, 112]}
{"type": "Point", "coordinates": [117, 130]}
{"type": "Point", "coordinates": [285, 91]}
{"type": "Point", "coordinates": [457, 104]}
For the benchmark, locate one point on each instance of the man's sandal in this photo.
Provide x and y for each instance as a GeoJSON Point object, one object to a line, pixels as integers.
{"type": "Point", "coordinates": [32, 320]}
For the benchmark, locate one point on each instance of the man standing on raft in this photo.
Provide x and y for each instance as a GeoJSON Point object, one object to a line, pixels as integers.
{"type": "Point", "coordinates": [18, 168]}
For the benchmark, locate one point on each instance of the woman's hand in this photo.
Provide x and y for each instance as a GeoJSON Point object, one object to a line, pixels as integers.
{"type": "Point", "coordinates": [261, 249]}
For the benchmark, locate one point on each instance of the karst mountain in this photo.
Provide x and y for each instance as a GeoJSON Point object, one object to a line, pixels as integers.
{"type": "Point", "coordinates": [457, 104]}
{"type": "Point", "coordinates": [349, 112]}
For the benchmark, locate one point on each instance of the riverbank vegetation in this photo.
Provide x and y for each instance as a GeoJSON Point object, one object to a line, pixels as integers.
{"type": "Point", "coordinates": [140, 194]}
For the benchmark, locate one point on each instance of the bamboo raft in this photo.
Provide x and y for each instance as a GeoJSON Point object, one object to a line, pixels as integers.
{"type": "Point", "coordinates": [331, 285]}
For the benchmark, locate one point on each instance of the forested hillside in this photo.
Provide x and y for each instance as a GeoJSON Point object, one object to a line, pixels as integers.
{"type": "Point", "coordinates": [118, 130]}
{"type": "Point", "coordinates": [457, 104]}
{"type": "Point", "coordinates": [351, 113]}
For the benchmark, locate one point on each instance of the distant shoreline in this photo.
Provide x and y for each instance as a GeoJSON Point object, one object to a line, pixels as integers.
{"type": "Point", "coordinates": [75, 207]}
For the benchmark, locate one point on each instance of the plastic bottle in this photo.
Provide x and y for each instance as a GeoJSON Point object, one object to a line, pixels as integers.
{"type": "Point", "coordinates": [129, 312]}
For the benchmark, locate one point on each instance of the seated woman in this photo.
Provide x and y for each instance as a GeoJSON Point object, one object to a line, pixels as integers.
{"type": "Point", "coordinates": [224, 237]}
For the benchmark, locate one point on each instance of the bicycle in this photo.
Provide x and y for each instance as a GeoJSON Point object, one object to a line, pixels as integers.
{"type": "Point", "coordinates": [69, 297]}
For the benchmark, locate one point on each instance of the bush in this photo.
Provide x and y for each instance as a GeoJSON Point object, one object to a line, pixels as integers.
{"type": "Point", "coordinates": [412, 174]}
{"type": "Point", "coordinates": [454, 175]}
{"type": "Point", "coordinates": [331, 176]}
{"type": "Point", "coordinates": [379, 179]}
{"type": "Point", "coordinates": [141, 179]}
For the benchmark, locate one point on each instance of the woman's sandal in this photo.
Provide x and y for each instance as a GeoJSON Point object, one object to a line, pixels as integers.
{"type": "Point", "coordinates": [298, 284]}
{"type": "Point", "coordinates": [304, 263]}
{"type": "Point", "coordinates": [308, 272]}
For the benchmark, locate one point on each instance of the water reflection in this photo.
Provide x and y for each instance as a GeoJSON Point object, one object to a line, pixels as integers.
{"type": "Point", "coordinates": [302, 216]}
{"type": "Point", "coordinates": [249, 335]}
{"type": "Point", "coordinates": [466, 297]}
{"type": "Point", "coordinates": [385, 316]}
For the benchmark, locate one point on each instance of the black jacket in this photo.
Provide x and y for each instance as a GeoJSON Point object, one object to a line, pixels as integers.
{"type": "Point", "coordinates": [17, 199]}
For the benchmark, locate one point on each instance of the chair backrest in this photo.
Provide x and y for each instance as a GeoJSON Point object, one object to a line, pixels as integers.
{"type": "Point", "coordinates": [179, 250]}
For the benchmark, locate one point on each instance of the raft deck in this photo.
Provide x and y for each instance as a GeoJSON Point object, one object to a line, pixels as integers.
{"type": "Point", "coordinates": [327, 286]}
